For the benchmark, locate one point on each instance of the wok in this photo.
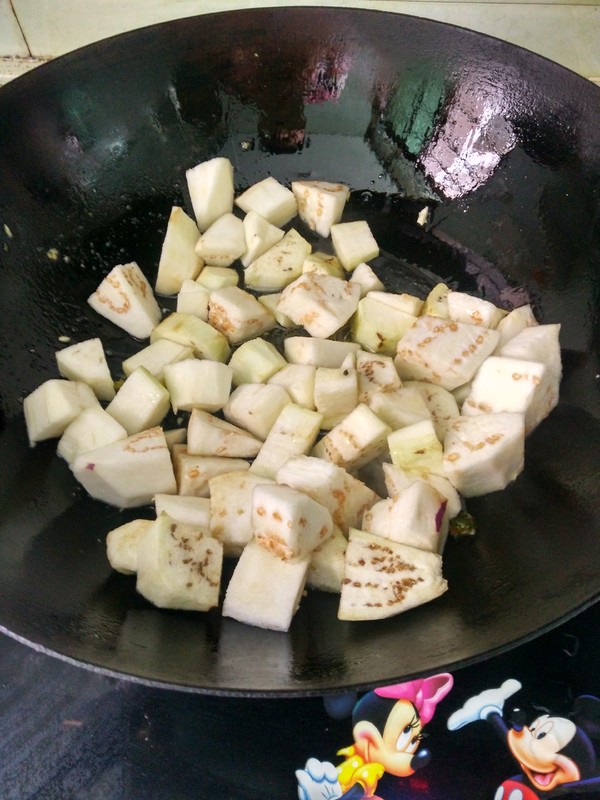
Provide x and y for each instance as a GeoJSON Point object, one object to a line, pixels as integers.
{"type": "Point", "coordinates": [503, 147]}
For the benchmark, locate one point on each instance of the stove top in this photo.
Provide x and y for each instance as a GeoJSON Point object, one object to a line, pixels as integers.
{"type": "Point", "coordinates": [69, 733]}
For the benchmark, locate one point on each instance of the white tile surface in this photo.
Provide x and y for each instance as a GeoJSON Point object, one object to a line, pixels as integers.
{"type": "Point", "coordinates": [12, 42]}
{"type": "Point", "coordinates": [566, 33]}
{"type": "Point", "coordinates": [13, 67]}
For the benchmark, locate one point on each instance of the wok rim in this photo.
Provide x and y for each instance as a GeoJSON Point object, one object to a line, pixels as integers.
{"type": "Point", "coordinates": [67, 61]}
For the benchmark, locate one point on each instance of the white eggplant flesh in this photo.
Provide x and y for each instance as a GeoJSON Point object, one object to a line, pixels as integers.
{"type": "Point", "coordinates": [122, 545]}
{"type": "Point", "coordinates": [191, 331]}
{"type": "Point", "coordinates": [423, 216]}
{"type": "Point", "coordinates": [353, 243]}
{"type": "Point", "coordinates": [211, 189]}
{"type": "Point", "coordinates": [320, 204]}
{"type": "Point", "coordinates": [384, 578]}
{"type": "Point", "coordinates": [407, 303]}
{"type": "Point", "coordinates": [260, 235]}
{"type": "Point", "coordinates": [265, 591]}
{"type": "Point", "coordinates": [350, 361]}
{"type": "Point", "coordinates": [445, 352]}
{"type": "Point", "coordinates": [155, 356]}
{"type": "Point", "coordinates": [317, 351]}
{"type": "Point", "coordinates": [92, 428]}
{"type": "Point", "coordinates": [255, 407]}
{"type": "Point", "coordinates": [288, 523]}
{"type": "Point", "coordinates": [326, 568]}
{"type": "Point", "coordinates": [86, 362]}
{"type": "Point", "coordinates": [332, 460]}
{"type": "Point", "coordinates": [378, 326]}
{"type": "Point", "coordinates": [207, 435]}
{"type": "Point", "coordinates": [255, 361]}
{"type": "Point", "coordinates": [537, 343]}
{"type": "Point", "coordinates": [129, 472]}
{"type": "Point", "coordinates": [179, 566]}
{"type": "Point", "coordinates": [364, 275]}
{"type": "Point", "coordinates": [270, 301]}
{"type": "Point", "coordinates": [511, 384]}
{"type": "Point", "coordinates": [484, 453]}
{"type": "Point", "coordinates": [198, 383]}
{"type": "Point", "coordinates": [398, 479]}
{"type": "Point", "coordinates": [231, 509]}
{"type": "Point", "coordinates": [376, 374]}
{"type": "Point", "coordinates": [193, 473]}
{"type": "Point", "coordinates": [238, 314]}
{"type": "Point", "coordinates": [178, 260]}
{"type": "Point", "coordinates": [344, 495]}
{"type": "Point", "coordinates": [514, 322]}
{"type": "Point", "coordinates": [441, 403]}
{"type": "Point", "coordinates": [436, 302]}
{"type": "Point", "coordinates": [416, 448]}
{"type": "Point", "coordinates": [213, 277]}
{"type": "Point", "coordinates": [461, 393]}
{"type": "Point", "coordinates": [298, 380]}
{"type": "Point", "coordinates": [125, 298]}
{"type": "Point", "coordinates": [463, 307]}
{"type": "Point", "coordinates": [324, 263]}
{"type": "Point", "coordinates": [355, 441]}
{"type": "Point", "coordinates": [53, 405]}
{"type": "Point", "coordinates": [223, 242]}
{"type": "Point", "coordinates": [294, 433]}
{"type": "Point", "coordinates": [335, 394]}
{"type": "Point", "coordinates": [322, 304]}
{"type": "Point", "coordinates": [416, 516]}
{"type": "Point", "coordinates": [271, 199]}
{"type": "Point", "coordinates": [175, 436]}
{"type": "Point", "coordinates": [191, 510]}
{"type": "Point", "coordinates": [142, 402]}
{"type": "Point", "coordinates": [400, 408]}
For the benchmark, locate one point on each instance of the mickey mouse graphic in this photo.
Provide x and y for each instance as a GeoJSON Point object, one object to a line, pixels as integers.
{"type": "Point", "coordinates": [556, 755]}
{"type": "Point", "coordinates": [387, 733]}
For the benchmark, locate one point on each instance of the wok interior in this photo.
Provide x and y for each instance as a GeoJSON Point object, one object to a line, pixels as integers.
{"type": "Point", "coordinates": [501, 145]}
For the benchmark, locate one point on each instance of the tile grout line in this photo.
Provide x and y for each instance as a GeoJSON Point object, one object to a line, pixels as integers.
{"type": "Point", "coordinates": [18, 21]}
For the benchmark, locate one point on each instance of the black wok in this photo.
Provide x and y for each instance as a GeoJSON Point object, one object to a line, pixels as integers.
{"type": "Point", "coordinates": [504, 148]}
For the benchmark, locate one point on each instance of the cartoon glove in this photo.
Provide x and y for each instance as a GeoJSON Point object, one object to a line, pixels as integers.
{"type": "Point", "coordinates": [490, 701]}
{"type": "Point", "coordinates": [318, 781]}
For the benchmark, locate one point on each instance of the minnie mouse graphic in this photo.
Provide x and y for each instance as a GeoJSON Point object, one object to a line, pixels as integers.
{"type": "Point", "coordinates": [387, 732]}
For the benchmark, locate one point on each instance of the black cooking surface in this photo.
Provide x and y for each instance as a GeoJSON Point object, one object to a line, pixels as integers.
{"type": "Point", "coordinates": [501, 144]}
{"type": "Point", "coordinates": [72, 734]}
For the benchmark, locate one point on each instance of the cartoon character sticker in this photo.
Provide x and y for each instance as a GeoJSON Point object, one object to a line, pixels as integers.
{"type": "Point", "coordinates": [556, 755]}
{"type": "Point", "coordinates": [387, 732]}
